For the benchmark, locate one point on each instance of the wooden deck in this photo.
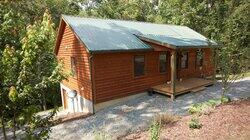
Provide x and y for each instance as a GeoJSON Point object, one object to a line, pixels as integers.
{"type": "Point", "coordinates": [188, 85]}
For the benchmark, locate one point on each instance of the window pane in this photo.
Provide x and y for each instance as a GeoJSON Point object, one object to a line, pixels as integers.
{"type": "Point", "coordinates": [184, 60]}
{"type": "Point", "coordinates": [163, 62]}
{"type": "Point", "coordinates": [73, 66]}
{"type": "Point", "coordinates": [139, 64]}
{"type": "Point", "coordinates": [199, 58]}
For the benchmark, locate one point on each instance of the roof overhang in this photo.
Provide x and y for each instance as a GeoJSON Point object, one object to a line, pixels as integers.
{"type": "Point", "coordinates": [60, 31]}
{"type": "Point", "coordinates": [170, 46]}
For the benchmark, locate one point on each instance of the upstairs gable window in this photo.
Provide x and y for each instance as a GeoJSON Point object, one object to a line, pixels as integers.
{"type": "Point", "coordinates": [73, 66]}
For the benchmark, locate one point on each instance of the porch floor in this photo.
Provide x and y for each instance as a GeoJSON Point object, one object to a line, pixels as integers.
{"type": "Point", "coordinates": [191, 84]}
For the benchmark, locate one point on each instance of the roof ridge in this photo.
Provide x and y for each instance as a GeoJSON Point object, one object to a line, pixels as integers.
{"type": "Point", "coordinates": [120, 20]}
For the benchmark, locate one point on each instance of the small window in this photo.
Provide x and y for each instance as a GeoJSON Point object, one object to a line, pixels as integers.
{"type": "Point", "coordinates": [73, 66]}
{"type": "Point", "coordinates": [199, 58]}
{"type": "Point", "coordinates": [139, 65]}
{"type": "Point", "coordinates": [184, 60]}
{"type": "Point", "coordinates": [163, 63]}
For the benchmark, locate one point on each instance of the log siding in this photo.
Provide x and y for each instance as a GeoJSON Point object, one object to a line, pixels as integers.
{"type": "Point", "coordinates": [114, 75]}
{"type": "Point", "coordinates": [70, 46]}
{"type": "Point", "coordinates": [114, 72]}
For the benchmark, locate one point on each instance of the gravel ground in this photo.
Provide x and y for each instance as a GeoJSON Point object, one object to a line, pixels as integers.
{"type": "Point", "coordinates": [135, 115]}
{"type": "Point", "coordinates": [225, 122]}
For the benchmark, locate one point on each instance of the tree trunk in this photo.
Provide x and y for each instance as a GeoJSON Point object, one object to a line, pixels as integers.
{"type": "Point", "coordinates": [14, 127]}
{"type": "Point", "coordinates": [44, 102]}
{"type": "Point", "coordinates": [3, 128]}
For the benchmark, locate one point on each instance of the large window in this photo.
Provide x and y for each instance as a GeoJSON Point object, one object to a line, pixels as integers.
{"type": "Point", "coordinates": [199, 58]}
{"type": "Point", "coordinates": [73, 66]}
{"type": "Point", "coordinates": [184, 60]}
{"type": "Point", "coordinates": [163, 63]}
{"type": "Point", "coordinates": [139, 65]}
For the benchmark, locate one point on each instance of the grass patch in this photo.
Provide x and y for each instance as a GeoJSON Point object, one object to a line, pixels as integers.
{"type": "Point", "coordinates": [101, 136]}
{"type": "Point", "coordinates": [200, 108]}
{"type": "Point", "coordinates": [205, 107]}
{"type": "Point", "coordinates": [164, 119]}
{"type": "Point", "coordinates": [155, 130]}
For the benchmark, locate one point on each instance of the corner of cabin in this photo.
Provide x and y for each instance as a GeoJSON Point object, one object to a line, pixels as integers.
{"type": "Point", "coordinates": [74, 57]}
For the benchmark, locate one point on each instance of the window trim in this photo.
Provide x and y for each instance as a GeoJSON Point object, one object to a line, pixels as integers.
{"type": "Point", "coordinates": [73, 64]}
{"type": "Point", "coordinates": [186, 67]}
{"type": "Point", "coordinates": [145, 73]}
{"type": "Point", "coordinates": [159, 70]}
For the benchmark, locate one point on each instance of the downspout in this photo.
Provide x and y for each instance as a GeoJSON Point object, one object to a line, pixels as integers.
{"type": "Point", "coordinates": [92, 81]}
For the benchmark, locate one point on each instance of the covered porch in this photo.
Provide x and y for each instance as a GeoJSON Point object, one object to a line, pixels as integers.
{"type": "Point", "coordinates": [190, 63]}
{"type": "Point", "coordinates": [188, 76]}
{"type": "Point", "coordinates": [187, 85]}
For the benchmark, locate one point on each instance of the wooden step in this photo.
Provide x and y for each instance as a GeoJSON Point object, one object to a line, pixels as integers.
{"type": "Point", "coordinates": [198, 89]}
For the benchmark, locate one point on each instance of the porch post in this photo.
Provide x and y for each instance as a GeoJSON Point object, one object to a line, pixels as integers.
{"type": "Point", "coordinates": [214, 64]}
{"type": "Point", "coordinates": [173, 72]}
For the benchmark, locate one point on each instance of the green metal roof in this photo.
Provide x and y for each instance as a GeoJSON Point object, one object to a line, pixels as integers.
{"type": "Point", "coordinates": [117, 35]}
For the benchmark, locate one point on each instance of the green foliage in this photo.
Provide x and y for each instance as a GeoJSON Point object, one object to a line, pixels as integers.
{"type": "Point", "coordinates": [10, 65]}
{"type": "Point", "coordinates": [225, 99]}
{"type": "Point", "coordinates": [155, 130]}
{"type": "Point", "coordinates": [200, 108]}
{"type": "Point", "coordinates": [13, 95]}
{"type": "Point", "coordinates": [39, 67]}
{"type": "Point", "coordinates": [27, 75]}
{"type": "Point", "coordinates": [33, 10]}
{"type": "Point", "coordinates": [194, 123]}
{"type": "Point", "coordinates": [38, 127]}
{"type": "Point", "coordinates": [140, 10]}
{"type": "Point", "coordinates": [28, 65]}
{"type": "Point", "coordinates": [11, 29]}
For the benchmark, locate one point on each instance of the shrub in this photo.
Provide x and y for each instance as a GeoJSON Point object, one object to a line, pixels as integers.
{"type": "Point", "coordinates": [225, 99]}
{"type": "Point", "coordinates": [195, 108]}
{"type": "Point", "coordinates": [155, 130]}
{"type": "Point", "coordinates": [194, 123]}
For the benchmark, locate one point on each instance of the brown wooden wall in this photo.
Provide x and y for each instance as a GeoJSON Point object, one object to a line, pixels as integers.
{"type": "Point", "coordinates": [70, 46]}
{"type": "Point", "coordinates": [192, 70]}
{"type": "Point", "coordinates": [114, 75]}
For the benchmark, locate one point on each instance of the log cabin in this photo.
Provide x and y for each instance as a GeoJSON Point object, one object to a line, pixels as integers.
{"type": "Point", "coordinates": [113, 60]}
